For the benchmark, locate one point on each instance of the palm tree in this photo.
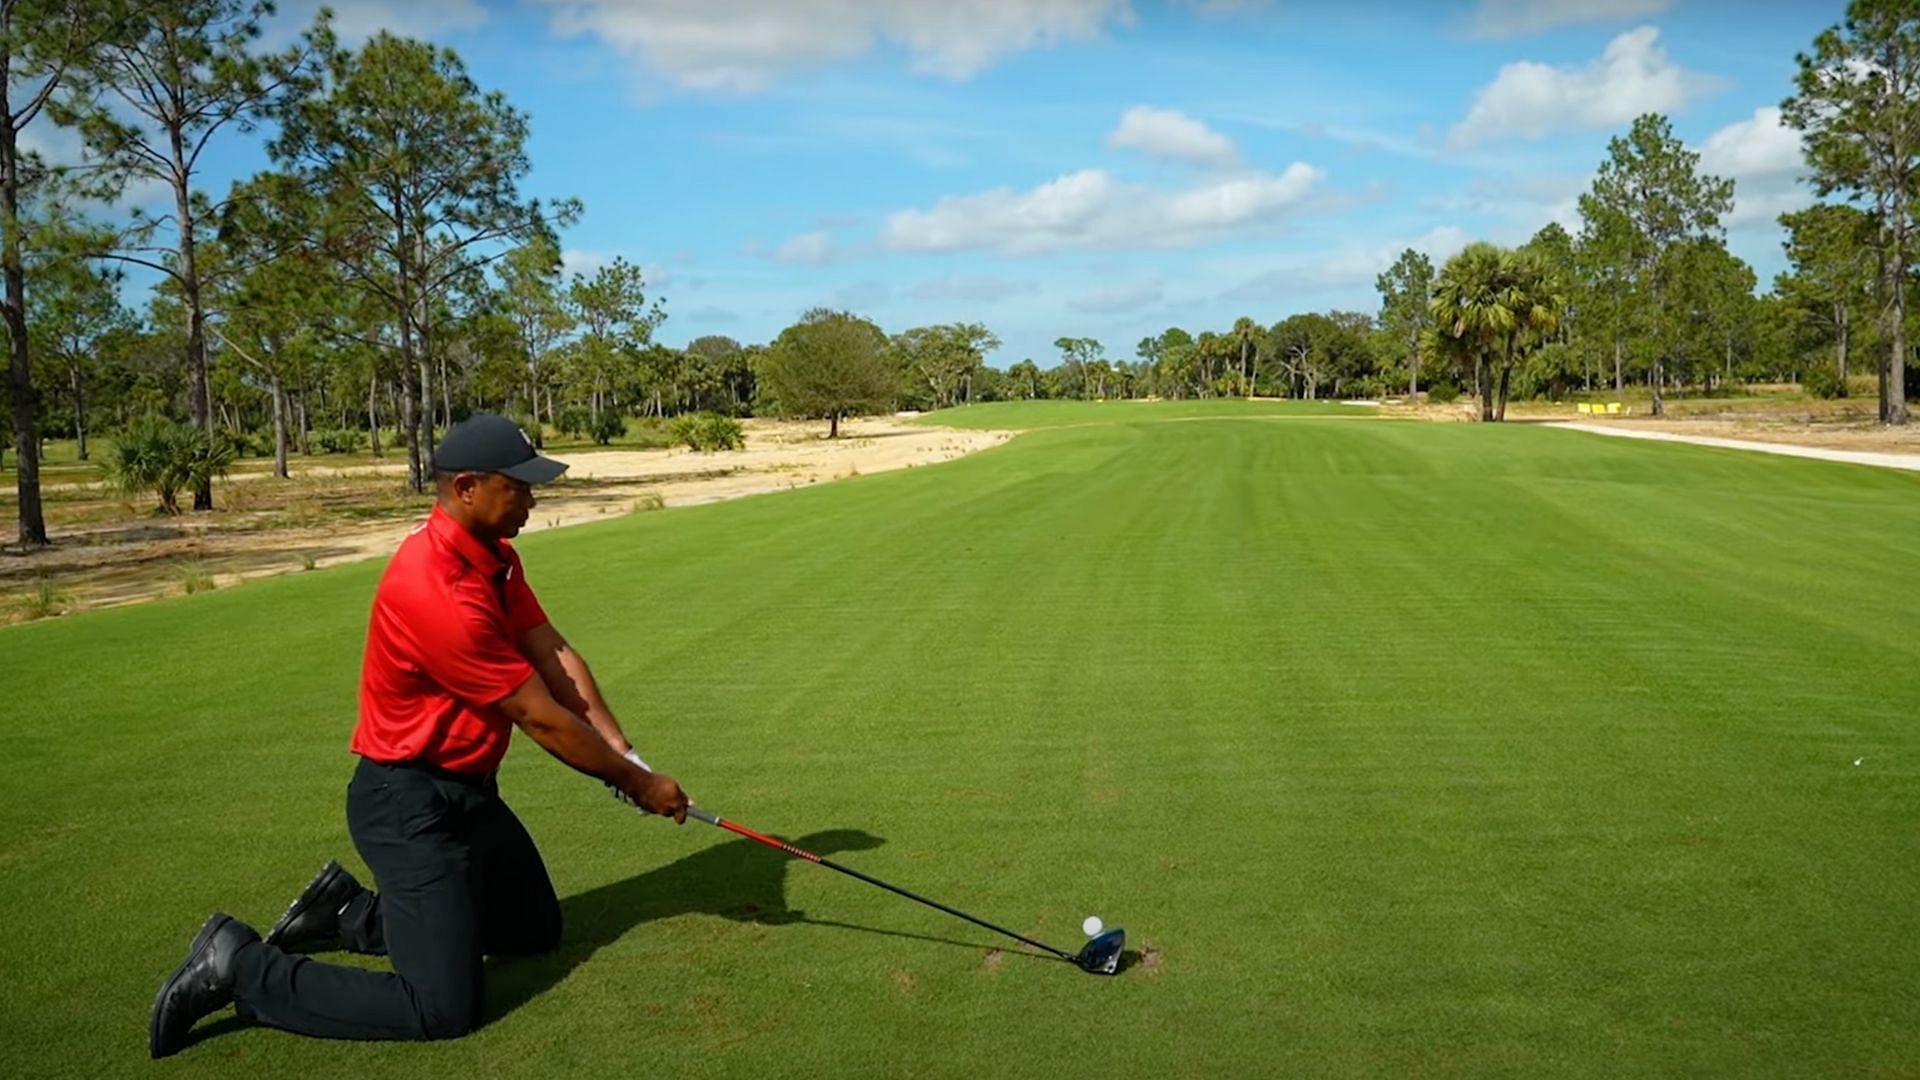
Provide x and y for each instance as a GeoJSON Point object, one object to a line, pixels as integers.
{"type": "Point", "coordinates": [1246, 333]}
{"type": "Point", "coordinates": [1472, 302]}
{"type": "Point", "coordinates": [1447, 357]}
{"type": "Point", "coordinates": [1536, 300]}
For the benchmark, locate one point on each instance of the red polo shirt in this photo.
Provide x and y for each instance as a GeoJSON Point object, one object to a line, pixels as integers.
{"type": "Point", "coordinates": [443, 649]}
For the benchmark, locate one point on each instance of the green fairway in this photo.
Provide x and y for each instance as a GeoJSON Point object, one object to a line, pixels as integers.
{"type": "Point", "coordinates": [1031, 415]}
{"type": "Point", "coordinates": [1433, 749]}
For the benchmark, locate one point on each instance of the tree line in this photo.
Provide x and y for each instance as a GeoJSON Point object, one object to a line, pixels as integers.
{"type": "Point", "coordinates": [386, 274]}
{"type": "Point", "coordinates": [1643, 293]}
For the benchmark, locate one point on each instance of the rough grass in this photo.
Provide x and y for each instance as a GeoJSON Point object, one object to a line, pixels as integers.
{"type": "Point", "coordinates": [1397, 748]}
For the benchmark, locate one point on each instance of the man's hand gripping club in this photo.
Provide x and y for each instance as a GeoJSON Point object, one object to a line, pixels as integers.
{"type": "Point", "coordinates": [566, 735]}
{"type": "Point", "coordinates": [633, 756]}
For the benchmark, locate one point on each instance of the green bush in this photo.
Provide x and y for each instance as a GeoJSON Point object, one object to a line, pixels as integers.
{"type": "Point", "coordinates": [165, 457]}
{"type": "Point", "coordinates": [245, 444]}
{"type": "Point", "coordinates": [650, 433]}
{"type": "Point", "coordinates": [530, 424]}
{"type": "Point", "coordinates": [1365, 388]}
{"type": "Point", "coordinates": [684, 430]}
{"type": "Point", "coordinates": [1443, 393]}
{"type": "Point", "coordinates": [610, 426]}
{"type": "Point", "coordinates": [1823, 381]}
{"type": "Point", "coordinates": [707, 431]}
{"type": "Point", "coordinates": [343, 441]}
{"type": "Point", "coordinates": [574, 421]}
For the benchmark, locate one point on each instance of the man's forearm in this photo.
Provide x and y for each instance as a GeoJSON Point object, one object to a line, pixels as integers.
{"type": "Point", "coordinates": [563, 732]}
{"type": "Point", "coordinates": [589, 703]}
{"type": "Point", "coordinates": [567, 735]}
{"type": "Point", "coordinates": [575, 744]}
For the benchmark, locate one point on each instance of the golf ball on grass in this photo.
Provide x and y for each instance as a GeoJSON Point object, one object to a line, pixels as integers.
{"type": "Point", "coordinates": [1092, 925]}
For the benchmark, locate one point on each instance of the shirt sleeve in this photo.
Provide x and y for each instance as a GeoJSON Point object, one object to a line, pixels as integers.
{"type": "Point", "coordinates": [524, 612]}
{"type": "Point", "coordinates": [474, 659]}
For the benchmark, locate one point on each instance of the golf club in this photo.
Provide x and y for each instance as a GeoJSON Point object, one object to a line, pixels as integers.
{"type": "Point", "coordinates": [1101, 956]}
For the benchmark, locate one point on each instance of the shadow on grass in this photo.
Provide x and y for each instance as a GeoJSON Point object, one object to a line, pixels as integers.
{"type": "Point", "coordinates": [743, 881]}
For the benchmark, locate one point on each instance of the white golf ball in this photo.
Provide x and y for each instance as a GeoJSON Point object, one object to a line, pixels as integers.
{"type": "Point", "coordinates": [1092, 925]}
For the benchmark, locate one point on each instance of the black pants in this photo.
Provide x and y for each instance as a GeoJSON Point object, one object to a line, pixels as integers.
{"type": "Point", "coordinates": [458, 877]}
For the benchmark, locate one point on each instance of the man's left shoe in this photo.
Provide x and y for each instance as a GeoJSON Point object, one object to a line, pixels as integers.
{"type": "Point", "coordinates": [198, 987]}
{"type": "Point", "coordinates": [313, 919]}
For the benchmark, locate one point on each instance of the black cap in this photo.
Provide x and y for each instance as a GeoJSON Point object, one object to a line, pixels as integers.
{"type": "Point", "coordinates": [489, 442]}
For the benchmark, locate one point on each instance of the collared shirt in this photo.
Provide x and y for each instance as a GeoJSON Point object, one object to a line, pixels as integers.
{"type": "Point", "coordinates": [443, 650]}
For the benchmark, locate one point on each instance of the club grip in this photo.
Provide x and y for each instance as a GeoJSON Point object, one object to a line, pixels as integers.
{"type": "Point", "coordinates": [696, 812]}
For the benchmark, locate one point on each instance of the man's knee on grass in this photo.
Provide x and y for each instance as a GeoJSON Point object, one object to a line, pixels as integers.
{"type": "Point", "coordinates": [446, 1012]}
{"type": "Point", "coordinates": [453, 1020]}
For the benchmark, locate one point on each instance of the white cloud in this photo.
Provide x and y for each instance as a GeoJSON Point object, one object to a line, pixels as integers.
{"type": "Point", "coordinates": [586, 263]}
{"type": "Point", "coordinates": [1090, 209]}
{"type": "Point", "coordinates": [581, 261]}
{"type": "Point", "coordinates": [813, 247]}
{"type": "Point", "coordinates": [1565, 213]}
{"type": "Point", "coordinates": [1169, 133]}
{"type": "Point", "coordinates": [1518, 18]}
{"type": "Point", "coordinates": [1759, 146]}
{"type": "Point", "coordinates": [1530, 99]}
{"type": "Point", "coordinates": [1244, 198]}
{"type": "Point", "coordinates": [1759, 206]}
{"type": "Point", "coordinates": [1119, 298]}
{"type": "Point", "coordinates": [742, 45]}
{"type": "Point", "coordinates": [1762, 156]}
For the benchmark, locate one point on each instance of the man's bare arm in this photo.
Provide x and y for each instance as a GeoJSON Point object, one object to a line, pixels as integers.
{"type": "Point", "coordinates": [571, 682]}
{"type": "Point", "coordinates": [563, 733]}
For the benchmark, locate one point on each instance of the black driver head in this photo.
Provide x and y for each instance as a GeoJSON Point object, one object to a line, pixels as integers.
{"type": "Point", "coordinates": [1102, 955]}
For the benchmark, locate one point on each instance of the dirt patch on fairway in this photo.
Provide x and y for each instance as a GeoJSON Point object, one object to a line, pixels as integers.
{"type": "Point", "coordinates": [1150, 962]}
{"type": "Point", "coordinates": [1453, 412]}
{"type": "Point", "coordinates": [1773, 417]}
{"type": "Point", "coordinates": [1691, 434]}
{"type": "Point", "coordinates": [1855, 435]}
{"type": "Point", "coordinates": [904, 982]}
{"type": "Point", "coordinates": [109, 550]}
{"type": "Point", "coordinates": [994, 960]}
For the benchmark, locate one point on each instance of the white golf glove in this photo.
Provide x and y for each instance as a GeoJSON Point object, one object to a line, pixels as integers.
{"type": "Point", "coordinates": [633, 756]}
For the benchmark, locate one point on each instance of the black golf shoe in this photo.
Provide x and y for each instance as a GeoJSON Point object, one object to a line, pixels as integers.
{"type": "Point", "coordinates": [313, 919]}
{"type": "Point", "coordinates": [198, 987]}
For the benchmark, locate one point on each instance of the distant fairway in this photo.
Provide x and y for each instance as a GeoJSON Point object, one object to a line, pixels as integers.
{"type": "Point", "coordinates": [1028, 415]}
{"type": "Point", "coordinates": [1435, 749]}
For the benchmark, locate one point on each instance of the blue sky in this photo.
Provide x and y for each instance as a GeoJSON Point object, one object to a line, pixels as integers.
{"type": "Point", "coordinates": [1093, 168]}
